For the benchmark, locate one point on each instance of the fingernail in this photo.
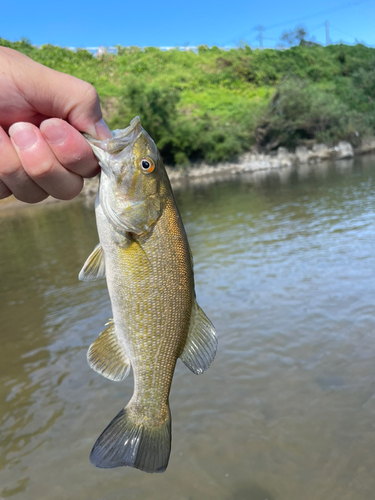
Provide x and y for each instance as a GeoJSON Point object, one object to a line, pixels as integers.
{"type": "Point", "coordinates": [23, 135]}
{"type": "Point", "coordinates": [102, 130]}
{"type": "Point", "coordinates": [55, 133]}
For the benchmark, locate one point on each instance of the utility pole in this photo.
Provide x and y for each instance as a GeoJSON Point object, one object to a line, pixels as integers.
{"type": "Point", "coordinates": [327, 34]}
{"type": "Point", "coordinates": [260, 36]}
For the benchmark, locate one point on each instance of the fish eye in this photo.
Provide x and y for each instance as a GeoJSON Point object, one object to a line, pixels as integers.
{"type": "Point", "coordinates": [147, 165]}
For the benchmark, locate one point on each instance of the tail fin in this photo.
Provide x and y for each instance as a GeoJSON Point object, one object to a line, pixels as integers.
{"type": "Point", "coordinates": [125, 443]}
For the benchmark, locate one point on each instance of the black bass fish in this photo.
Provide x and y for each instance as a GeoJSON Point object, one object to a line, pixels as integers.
{"type": "Point", "coordinates": [145, 256]}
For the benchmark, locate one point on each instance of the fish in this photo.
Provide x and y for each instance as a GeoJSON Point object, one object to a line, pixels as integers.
{"type": "Point", "coordinates": [144, 254]}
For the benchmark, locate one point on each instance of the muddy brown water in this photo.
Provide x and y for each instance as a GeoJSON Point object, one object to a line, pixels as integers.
{"type": "Point", "coordinates": [285, 268]}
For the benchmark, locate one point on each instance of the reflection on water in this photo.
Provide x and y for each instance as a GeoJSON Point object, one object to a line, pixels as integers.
{"type": "Point", "coordinates": [285, 268]}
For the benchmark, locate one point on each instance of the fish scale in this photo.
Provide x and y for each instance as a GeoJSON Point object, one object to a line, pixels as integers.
{"type": "Point", "coordinates": [145, 256]}
{"type": "Point", "coordinates": [154, 302]}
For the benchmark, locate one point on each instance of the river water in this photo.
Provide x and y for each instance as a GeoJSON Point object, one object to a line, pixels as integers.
{"type": "Point", "coordinates": [284, 268]}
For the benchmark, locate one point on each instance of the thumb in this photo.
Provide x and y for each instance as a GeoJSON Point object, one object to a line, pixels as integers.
{"type": "Point", "coordinates": [82, 108]}
{"type": "Point", "coordinates": [58, 95]}
{"type": "Point", "coordinates": [77, 102]}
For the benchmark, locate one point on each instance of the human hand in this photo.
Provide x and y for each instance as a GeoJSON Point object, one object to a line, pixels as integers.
{"type": "Point", "coordinates": [44, 112]}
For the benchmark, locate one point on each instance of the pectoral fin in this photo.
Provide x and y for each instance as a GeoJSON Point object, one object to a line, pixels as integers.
{"type": "Point", "coordinates": [107, 357]}
{"type": "Point", "coordinates": [94, 267]}
{"type": "Point", "coordinates": [201, 342]}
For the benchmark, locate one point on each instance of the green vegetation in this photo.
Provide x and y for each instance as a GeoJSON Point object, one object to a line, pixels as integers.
{"type": "Point", "coordinates": [216, 104]}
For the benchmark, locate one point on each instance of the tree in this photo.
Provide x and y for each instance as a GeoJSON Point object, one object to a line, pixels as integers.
{"type": "Point", "coordinates": [296, 36]}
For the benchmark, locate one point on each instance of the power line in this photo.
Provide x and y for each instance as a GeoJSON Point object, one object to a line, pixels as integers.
{"type": "Point", "coordinates": [297, 20]}
{"type": "Point", "coordinates": [321, 13]}
{"type": "Point", "coordinates": [261, 28]}
{"type": "Point", "coordinates": [321, 25]}
{"type": "Point", "coordinates": [343, 32]}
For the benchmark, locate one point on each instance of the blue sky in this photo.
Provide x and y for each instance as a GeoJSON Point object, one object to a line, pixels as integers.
{"type": "Point", "coordinates": [75, 23]}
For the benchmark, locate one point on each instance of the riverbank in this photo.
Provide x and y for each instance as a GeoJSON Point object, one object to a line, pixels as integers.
{"type": "Point", "coordinates": [256, 162]}
{"type": "Point", "coordinates": [250, 162]}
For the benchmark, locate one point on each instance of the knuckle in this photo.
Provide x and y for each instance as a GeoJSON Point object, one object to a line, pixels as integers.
{"type": "Point", "coordinates": [81, 161]}
{"type": "Point", "coordinates": [93, 172]}
{"type": "Point", "coordinates": [5, 192]}
{"type": "Point", "coordinates": [91, 95]}
{"type": "Point", "coordinates": [9, 169]}
{"type": "Point", "coordinates": [72, 192]}
{"type": "Point", "coordinates": [74, 161]}
{"type": "Point", "coordinates": [39, 198]}
{"type": "Point", "coordinates": [31, 197]}
{"type": "Point", "coordinates": [43, 169]}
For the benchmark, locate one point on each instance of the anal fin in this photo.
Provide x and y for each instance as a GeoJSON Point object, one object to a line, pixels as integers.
{"type": "Point", "coordinates": [107, 357]}
{"type": "Point", "coordinates": [201, 343]}
{"type": "Point", "coordinates": [94, 267]}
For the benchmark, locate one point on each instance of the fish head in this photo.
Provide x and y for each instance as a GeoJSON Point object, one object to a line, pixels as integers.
{"type": "Point", "coordinates": [133, 183]}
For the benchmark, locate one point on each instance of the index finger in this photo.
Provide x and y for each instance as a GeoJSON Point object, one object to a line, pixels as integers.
{"type": "Point", "coordinates": [70, 147]}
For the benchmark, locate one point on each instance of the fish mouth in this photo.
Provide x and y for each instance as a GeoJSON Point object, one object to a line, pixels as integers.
{"type": "Point", "coordinates": [120, 138]}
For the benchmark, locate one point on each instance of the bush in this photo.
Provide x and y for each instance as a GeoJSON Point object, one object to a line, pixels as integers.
{"type": "Point", "coordinates": [300, 112]}
{"type": "Point", "coordinates": [365, 80]}
{"type": "Point", "coordinates": [155, 106]}
{"type": "Point", "coordinates": [180, 137]}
